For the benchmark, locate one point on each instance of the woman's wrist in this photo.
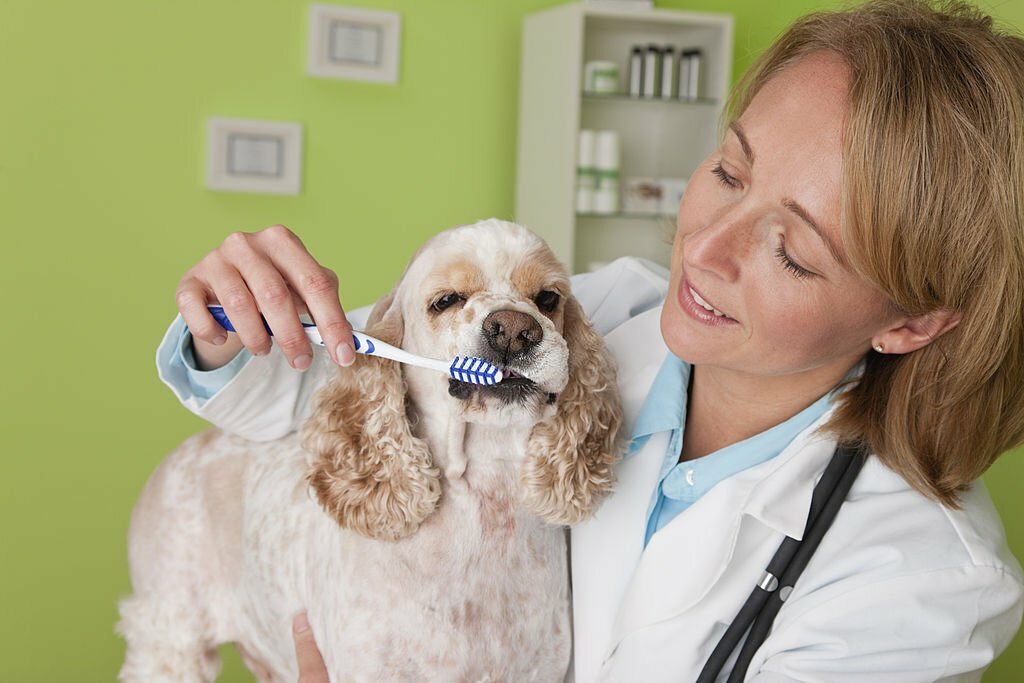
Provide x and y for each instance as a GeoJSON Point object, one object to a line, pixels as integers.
{"type": "Point", "coordinates": [211, 356]}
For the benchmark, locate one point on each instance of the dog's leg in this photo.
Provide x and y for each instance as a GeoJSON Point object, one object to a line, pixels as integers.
{"type": "Point", "coordinates": [164, 639]}
{"type": "Point", "coordinates": [170, 622]}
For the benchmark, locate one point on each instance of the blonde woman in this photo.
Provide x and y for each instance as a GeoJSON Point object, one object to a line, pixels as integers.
{"type": "Point", "coordinates": [848, 269]}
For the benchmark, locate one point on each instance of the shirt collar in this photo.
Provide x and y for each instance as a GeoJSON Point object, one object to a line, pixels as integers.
{"type": "Point", "coordinates": [664, 409]}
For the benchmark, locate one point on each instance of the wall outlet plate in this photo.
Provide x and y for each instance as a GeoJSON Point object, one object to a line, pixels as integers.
{"type": "Point", "coordinates": [353, 43]}
{"type": "Point", "coordinates": [247, 155]}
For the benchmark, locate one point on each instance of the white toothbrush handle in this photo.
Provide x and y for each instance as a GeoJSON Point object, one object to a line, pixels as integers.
{"type": "Point", "coordinates": [465, 369]}
{"type": "Point", "coordinates": [372, 346]}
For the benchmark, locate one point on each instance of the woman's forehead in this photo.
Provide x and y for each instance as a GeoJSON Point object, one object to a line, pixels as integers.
{"type": "Point", "coordinates": [791, 134]}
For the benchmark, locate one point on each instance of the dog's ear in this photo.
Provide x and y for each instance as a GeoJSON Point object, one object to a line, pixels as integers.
{"type": "Point", "coordinates": [368, 471]}
{"type": "Point", "coordinates": [568, 465]}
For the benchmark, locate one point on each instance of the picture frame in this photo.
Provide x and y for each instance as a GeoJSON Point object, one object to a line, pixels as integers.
{"type": "Point", "coordinates": [353, 43]}
{"type": "Point", "coordinates": [249, 155]}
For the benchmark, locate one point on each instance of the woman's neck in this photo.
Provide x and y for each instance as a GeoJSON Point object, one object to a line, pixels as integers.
{"type": "Point", "coordinates": [726, 407]}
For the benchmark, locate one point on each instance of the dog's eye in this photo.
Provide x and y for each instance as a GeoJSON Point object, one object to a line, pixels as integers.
{"type": "Point", "coordinates": [546, 300]}
{"type": "Point", "coordinates": [446, 301]}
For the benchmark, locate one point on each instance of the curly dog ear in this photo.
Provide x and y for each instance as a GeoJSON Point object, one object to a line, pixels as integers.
{"type": "Point", "coordinates": [568, 467]}
{"type": "Point", "coordinates": [368, 471]}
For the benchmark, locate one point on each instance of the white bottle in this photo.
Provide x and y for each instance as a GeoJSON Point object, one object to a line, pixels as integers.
{"type": "Point", "coordinates": [652, 72]}
{"type": "Point", "coordinates": [668, 72]}
{"type": "Point", "coordinates": [606, 195]}
{"type": "Point", "coordinates": [693, 60]}
{"type": "Point", "coordinates": [636, 71]}
{"type": "Point", "coordinates": [586, 173]}
{"type": "Point", "coordinates": [683, 91]}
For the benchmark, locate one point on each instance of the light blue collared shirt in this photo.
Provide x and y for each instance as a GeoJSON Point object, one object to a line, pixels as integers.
{"type": "Point", "coordinates": [203, 384]}
{"type": "Point", "coordinates": [680, 484]}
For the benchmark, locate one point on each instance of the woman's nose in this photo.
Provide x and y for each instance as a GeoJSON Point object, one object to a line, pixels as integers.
{"type": "Point", "coordinates": [721, 245]}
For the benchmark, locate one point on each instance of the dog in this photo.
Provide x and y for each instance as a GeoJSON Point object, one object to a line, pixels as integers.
{"type": "Point", "coordinates": [419, 519]}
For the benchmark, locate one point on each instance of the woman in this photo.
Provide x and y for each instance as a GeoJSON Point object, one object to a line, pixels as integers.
{"type": "Point", "coordinates": [848, 267]}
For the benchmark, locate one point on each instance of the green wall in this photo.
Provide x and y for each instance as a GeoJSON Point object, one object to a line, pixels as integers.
{"type": "Point", "coordinates": [102, 122]}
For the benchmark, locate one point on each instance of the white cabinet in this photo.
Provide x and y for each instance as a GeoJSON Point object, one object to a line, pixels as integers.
{"type": "Point", "coordinates": [659, 138]}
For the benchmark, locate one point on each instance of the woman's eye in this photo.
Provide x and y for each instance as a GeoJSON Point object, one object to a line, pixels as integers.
{"type": "Point", "coordinates": [547, 300]}
{"type": "Point", "coordinates": [789, 264]}
{"type": "Point", "coordinates": [446, 301]}
{"type": "Point", "coordinates": [724, 177]}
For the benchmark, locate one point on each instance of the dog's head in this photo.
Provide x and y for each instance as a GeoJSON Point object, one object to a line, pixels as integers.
{"type": "Point", "coordinates": [495, 291]}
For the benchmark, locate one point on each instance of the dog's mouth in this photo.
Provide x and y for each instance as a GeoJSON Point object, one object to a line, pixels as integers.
{"type": "Point", "coordinates": [512, 378]}
{"type": "Point", "coordinates": [513, 388]}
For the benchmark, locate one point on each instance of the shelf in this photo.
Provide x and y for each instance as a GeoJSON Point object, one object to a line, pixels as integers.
{"type": "Point", "coordinates": [622, 97]}
{"type": "Point", "coordinates": [620, 214]}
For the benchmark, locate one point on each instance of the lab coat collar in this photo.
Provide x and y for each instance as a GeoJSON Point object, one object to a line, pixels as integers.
{"type": "Point", "coordinates": [776, 493]}
{"type": "Point", "coordinates": [618, 593]}
{"type": "Point", "coordinates": [774, 500]}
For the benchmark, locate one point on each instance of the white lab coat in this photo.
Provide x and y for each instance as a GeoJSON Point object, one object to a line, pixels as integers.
{"type": "Point", "coordinates": [901, 589]}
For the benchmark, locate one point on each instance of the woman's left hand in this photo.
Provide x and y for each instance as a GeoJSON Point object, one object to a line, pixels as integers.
{"type": "Point", "coordinates": [311, 664]}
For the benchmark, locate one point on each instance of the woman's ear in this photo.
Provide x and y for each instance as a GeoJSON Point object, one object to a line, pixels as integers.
{"type": "Point", "coordinates": [916, 332]}
{"type": "Point", "coordinates": [568, 467]}
{"type": "Point", "coordinates": [368, 471]}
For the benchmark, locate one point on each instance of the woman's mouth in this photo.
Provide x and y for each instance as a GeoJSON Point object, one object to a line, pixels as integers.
{"type": "Point", "coordinates": [691, 301]}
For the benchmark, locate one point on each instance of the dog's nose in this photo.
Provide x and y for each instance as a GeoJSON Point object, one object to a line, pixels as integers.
{"type": "Point", "coordinates": [511, 333]}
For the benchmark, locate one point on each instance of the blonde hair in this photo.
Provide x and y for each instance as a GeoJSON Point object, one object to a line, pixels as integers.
{"type": "Point", "coordinates": [933, 216]}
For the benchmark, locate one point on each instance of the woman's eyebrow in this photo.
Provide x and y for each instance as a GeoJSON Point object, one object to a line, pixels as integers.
{"type": "Point", "coordinates": [744, 143]}
{"type": "Point", "coordinates": [806, 218]}
{"type": "Point", "coordinates": [800, 211]}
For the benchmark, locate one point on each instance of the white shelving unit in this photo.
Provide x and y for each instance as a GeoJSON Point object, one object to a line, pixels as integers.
{"type": "Point", "coordinates": [659, 138]}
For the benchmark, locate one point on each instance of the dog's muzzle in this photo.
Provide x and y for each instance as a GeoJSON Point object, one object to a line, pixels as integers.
{"type": "Point", "coordinates": [510, 338]}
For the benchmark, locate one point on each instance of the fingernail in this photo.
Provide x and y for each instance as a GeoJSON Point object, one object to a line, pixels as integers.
{"type": "Point", "coordinates": [301, 623]}
{"type": "Point", "coordinates": [219, 339]}
{"type": "Point", "coordinates": [302, 362]}
{"type": "Point", "coordinates": [345, 354]}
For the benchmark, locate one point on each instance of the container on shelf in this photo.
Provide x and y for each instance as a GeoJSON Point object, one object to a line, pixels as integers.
{"type": "Point", "coordinates": [601, 77]}
{"type": "Point", "coordinates": [586, 172]}
{"type": "Point", "coordinates": [657, 138]}
{"type": "Point", "coordinates": [652, 72]}
{"type": "Point", "coordinates": [606, 161]}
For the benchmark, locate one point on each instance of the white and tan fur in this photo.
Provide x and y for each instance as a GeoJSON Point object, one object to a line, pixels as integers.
{"type": "Point", "coordinates": [423, 529]}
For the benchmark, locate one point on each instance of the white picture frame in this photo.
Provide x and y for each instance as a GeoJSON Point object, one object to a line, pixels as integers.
{"type": "Point", "coordinates": [353, 43]}
{"type": "Point", "coordinates": [250, 155]}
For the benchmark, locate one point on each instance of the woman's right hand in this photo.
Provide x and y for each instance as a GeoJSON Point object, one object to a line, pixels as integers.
{"type": "Point", "coordinates": [269, 271]}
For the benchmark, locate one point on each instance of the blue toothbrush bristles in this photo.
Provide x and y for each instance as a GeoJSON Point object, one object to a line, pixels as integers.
{"type": "Point", "coordinates": [474, 371]}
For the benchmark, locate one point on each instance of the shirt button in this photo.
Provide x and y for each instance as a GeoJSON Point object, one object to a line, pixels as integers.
{"type": "Point", "coordinates": [689, 477]}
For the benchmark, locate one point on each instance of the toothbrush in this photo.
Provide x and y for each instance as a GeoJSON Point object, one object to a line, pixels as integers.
{"type": "Point", "coordinates": [467, 369]}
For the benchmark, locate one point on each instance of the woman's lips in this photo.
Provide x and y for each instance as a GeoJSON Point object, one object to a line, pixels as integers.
{"type": "Point", "coordinates": [686, 296]}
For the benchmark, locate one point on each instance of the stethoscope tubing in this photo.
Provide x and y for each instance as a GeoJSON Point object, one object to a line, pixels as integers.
{"type": "Point", "coordinates": [758, 612]}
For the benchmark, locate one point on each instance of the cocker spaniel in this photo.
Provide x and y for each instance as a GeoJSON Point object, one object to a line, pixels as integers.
{"type": "Point", "coordinates": [420, 520]}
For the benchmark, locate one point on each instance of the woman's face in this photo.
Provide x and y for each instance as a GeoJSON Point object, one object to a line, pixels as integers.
{"type": "Point", "coordinates": [758, 239]}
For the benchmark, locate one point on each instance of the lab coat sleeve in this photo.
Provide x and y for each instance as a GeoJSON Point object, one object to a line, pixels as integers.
{"type": "Point", "coordinates": [263, 398]}
{"type": "Point", "coordinates": [260, 398]}
{"type": "Point", "coordinates": [943, 625]}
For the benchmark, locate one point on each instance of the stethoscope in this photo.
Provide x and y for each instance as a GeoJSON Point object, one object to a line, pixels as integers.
{"type": "Point", "coordinates": [758, 612]}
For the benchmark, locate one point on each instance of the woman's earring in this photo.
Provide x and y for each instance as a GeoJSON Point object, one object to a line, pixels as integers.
{"type": "Point", "coordinates": [879, 348]}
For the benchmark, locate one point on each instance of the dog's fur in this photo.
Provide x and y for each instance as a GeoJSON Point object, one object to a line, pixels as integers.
{"type": "Point", "coordinates": [420, 521]}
